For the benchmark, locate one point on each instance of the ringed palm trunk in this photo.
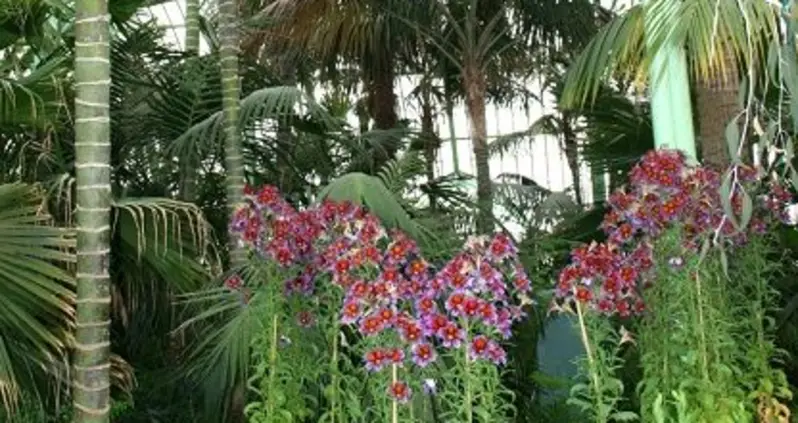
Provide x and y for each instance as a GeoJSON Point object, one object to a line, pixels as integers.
{"type": "Point", "coordinates": [234, 164]}
{"type": "Point", "coordinates": [188, 167]}
{"type": "Point", "coordinates": [475, 88]}
{"type": "Point", "coordinates": [233, 158]}
{"type": "Point", "coordinates": [91, 372]}
{"type": "Point", "coordinates": [716, 106]}
{"type": "Point", "coordinates": [192, 26]}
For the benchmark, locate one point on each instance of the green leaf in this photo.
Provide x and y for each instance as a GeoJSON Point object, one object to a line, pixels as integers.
{"type": "Point", "coordinates": [748, 209]}
{"type": "Point", "coordinates": [36, 292]}
{"type": "Point", "coordinates": [625, 416]}
{"type": "Point", "coordinates": [370, 192]}
{"type": "Point", "coordinates": [732, 135]}
{"type": "Point", "coordinates": [725, 198]}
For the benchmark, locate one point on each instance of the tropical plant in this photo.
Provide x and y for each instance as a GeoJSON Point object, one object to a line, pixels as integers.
{"type": "Point", "coordinates": [716, 36]}
{"type": "Point", "coordinates": [38, 297]}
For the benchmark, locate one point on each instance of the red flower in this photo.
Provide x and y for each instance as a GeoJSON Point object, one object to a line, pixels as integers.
{"type": "Point", "coordinates": [399, 391]}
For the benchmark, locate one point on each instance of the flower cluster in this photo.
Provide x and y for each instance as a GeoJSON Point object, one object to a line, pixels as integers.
{"type": "Point", "coordinates": [664, 192]}
{"type": "Point", "coordinates": [397, 300]}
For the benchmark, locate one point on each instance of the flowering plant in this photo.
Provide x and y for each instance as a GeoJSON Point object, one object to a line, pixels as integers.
{"type": "Point", "coordinates": [403, 312]}
{"type": "Point", "coordinates": [665, 192]}
{"type": "Point", "coordinates": [701, 339]}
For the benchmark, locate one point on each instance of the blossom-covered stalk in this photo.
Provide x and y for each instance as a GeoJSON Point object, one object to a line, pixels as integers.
{"type": "Point", "coordinates": [664, 192]}
{"type": "Point", "coordinates": [409, 309]}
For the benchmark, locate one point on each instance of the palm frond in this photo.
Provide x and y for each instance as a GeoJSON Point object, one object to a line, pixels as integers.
{"type": "Point", "coordinates": [258, 107]}
{"type": "Point", "coordinates": [617, 131]}
{"type": "Point", "coordinates": [36, 292]}
{"type": "Point", "coordinates": [710, 31]}
{"type": "Point", "coordinates": [397, 173]}
{"type": "Point", "coordinates": [548, 124]}
{"type": "Point", "coordinates": [617, 50]}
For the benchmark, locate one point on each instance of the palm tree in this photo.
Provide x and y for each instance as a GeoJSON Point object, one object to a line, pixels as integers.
{"type": "Point", "coordinates": [718, 36]}
{"type": "Point", "coordinates": [361, 32]}
{"type": "Point", "coordinates": [478, 39]}
{"type": "Point", "coordinates": [92, 384]}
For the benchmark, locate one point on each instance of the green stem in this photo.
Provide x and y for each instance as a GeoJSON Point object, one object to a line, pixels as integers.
{"type": "Point", "coordinates": [394, 404]}
{"type": "Point", "coordinates": [467, 378]}
{"type": "Point", "coordinates": [334, 375]}
{"type": "Point", "coordinates": [272, 368]}
{"type": "Point", "coordinates": [594, 376]}
{"type": "Point", "coordinates": [701, 327]}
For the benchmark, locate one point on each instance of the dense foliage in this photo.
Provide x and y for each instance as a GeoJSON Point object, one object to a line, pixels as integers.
{"type": "Point", "coordinates": [360, 284]}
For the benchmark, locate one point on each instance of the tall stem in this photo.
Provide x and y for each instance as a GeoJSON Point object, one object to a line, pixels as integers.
{"type": "Point", "coordinates": [594, 377]}
{"type": "Point", "coordinates": [701, 327]}
{"type": "Point", "coordinates": [334, 375]}
{"type": "Point", "coordinates": [395, 404]}
{"type": "Point", "coordinates": [452, 134]}
{"type": "Point", "coordinates": [272, 367]}
{"type": "Point", "coordinates": [467, 378]}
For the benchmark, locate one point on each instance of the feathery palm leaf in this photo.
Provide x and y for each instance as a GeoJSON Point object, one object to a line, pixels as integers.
{"type": "Point", "coordinates": [256, 108]}
{"type": "Point", "coordinates": [708, 29]}
{"type": "Point", "coordinates": [548, 124]}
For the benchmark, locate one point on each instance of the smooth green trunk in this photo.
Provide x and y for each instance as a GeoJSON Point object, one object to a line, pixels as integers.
{"type": "Point", "coordinates": [231, 93]}
{"type": "Point", "coordinates": [671, 109]}
{"type": "Point", "coordinates": [91, 367]}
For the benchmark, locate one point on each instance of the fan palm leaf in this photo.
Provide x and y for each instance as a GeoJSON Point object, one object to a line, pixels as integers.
{"type": "Point", "coordinates": [36, 292]}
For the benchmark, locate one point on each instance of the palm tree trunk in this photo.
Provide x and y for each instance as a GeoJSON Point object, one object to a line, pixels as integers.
{"type": "Point", "coordinates": [91, 373]}
{"type": "Point", "coordinates": [233, 156]}
{"type": "Point", "coordinates": [716, 106]}
{"type": "Point", "coordinates": [430, 138]}
{"type": "Point", "coordinates": [379, 74]}
{"type": "Point", "coordinates": [475, 88]}
{"type": "Point", "coordinates": [192, 26]}
{"type": "Point", "coordinates": [571, 149]}
{"type": "Point", "coordinates": [188, 167]}
{"type": "Point", "coordinates": [452, 133]}
{"type": "Point", "coordinates": [383, 99]}
{"type": "Point", "coordinates": [233, 160]}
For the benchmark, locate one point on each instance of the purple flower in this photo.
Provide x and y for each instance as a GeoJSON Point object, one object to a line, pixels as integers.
{"type": "Point", "coordinates": [496, 354]}
{"type": "Point", "coordinates": [451, 335]}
